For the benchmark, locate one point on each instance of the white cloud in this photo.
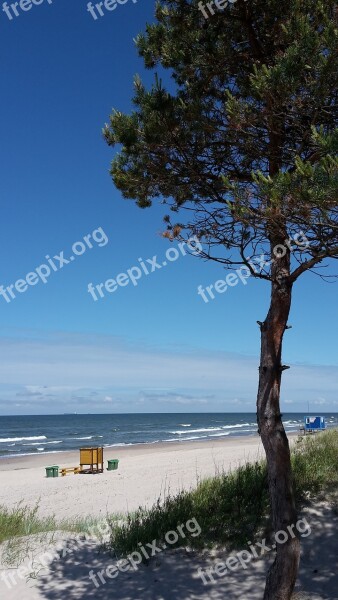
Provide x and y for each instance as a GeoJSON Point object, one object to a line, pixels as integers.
{"type": "Point", "coordinates": [172, 398]}
{"type": "Point", "coordinates": [108, 399]}
{"type": "Point", "coordinates": [64, 372]}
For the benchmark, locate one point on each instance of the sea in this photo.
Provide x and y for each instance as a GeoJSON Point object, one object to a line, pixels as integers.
{"type": "Point", "coordinates": [51, 434]}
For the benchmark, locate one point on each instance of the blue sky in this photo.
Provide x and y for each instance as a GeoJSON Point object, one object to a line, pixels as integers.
{"type": "Point", "coordinates": [152, 347]}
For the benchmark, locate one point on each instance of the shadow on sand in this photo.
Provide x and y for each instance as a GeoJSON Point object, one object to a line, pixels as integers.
{"type": "Point", "coordinates": [174, 575]}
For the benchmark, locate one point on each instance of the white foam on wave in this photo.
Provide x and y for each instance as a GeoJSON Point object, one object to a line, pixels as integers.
{"type": "Point", "coordinates": [39, 443]}
{"type": "Point", "coordinates": [56, 442]}
{"type": "Point", "coordinates": [23, 439]}
{"type": "Point", "coordinates": [31, 454]}
{"type": "Point", "coordinates": [201, 430]}
{"type": "Point", "coordinates": [207, 429]}
{"type": "Point", "coordinates": [186, 439]}
{"type": "Point", "coordinates": [243, 431]}
{"type": "Point", "coordinates": [238, 426]}
{"type": "Point", "coordinates": [120, 444]}
{"type": "Point", "coordinates": [33, 444]}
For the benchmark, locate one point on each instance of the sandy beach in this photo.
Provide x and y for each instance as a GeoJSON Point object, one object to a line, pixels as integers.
{"type": "Point", "coordinates": [146, 472]}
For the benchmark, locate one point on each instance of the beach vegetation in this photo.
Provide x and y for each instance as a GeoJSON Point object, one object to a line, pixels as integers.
{"type": "Point", "coordinates": [230, 508]}
{"type": "Point", "coordinates": [233, 508]}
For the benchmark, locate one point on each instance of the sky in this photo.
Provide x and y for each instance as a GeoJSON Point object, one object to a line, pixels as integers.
{"type": "Point", "coordinates": [155, 346]}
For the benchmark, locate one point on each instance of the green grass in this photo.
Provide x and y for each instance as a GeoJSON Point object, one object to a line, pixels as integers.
{"type": "Point", "coordinates": [227, 508]}
{"type": "Point", "coordinates": [21, 521]}
{"type": "Point", "coordinates": [230, 508]}
{"type": "Point", "coordinates": [315, 464]}
{"type": "Point", "coordinates": [233, 508]}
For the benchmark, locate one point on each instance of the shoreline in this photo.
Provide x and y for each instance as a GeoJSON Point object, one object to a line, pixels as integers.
{"type": "Point", "coordinates": [7, 461]}
{"type": "Point", "coordinates": [146, 473]}
{"type": "Point", "coordinates": [27, 461]}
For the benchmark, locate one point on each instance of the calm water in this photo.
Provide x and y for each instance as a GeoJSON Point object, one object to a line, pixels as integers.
{"type": "Point", "coordinates": [51, 434]}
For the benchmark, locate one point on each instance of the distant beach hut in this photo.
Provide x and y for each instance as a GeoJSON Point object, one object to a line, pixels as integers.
{"type": "Point", "coordinates": [313, 424]}
{"type": "Point", "coordinates": [91, 460]}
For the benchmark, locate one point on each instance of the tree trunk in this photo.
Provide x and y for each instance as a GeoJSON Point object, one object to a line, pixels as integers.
{"type": "Point", "coordinates": [282, 575]}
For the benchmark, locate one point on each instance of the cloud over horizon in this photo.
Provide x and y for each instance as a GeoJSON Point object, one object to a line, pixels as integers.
{"type": "Point", "coordinates": [62, 372]}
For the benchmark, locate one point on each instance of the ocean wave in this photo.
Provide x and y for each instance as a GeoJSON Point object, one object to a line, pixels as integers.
{"type": "Point", "coordinates": [201, 430]}
{"type": "Point", "coordinates": [30, 454]}
{"type": "Point", "coordinates": [23, 439]}
{"type": "Point", "coordinates": [243, 431]}
{"type": "Point", "coordinates": [238, 426]}
{"type": "Point", "coordinates": [120, 444]}
{"type": "Point", "coordinates": [89, 437]}
{"type": "Point", "coordinates": [33, 444]}
{"type": "Point", "coordinates": [56, 442]}
{"type": "Point", "coordinates": [210, 435]}
{"type": "Point", "coordinates": [186, 439]}
{"type": "Point", "coordinates": [184, 424]}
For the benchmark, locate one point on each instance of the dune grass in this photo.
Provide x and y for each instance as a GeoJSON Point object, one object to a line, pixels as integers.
{"type": "Point", "coordinates": [230, 508]}
{"type": "Point", "coordinates": [234, 507]}
{"type": "Point", "coordinates": [315, 464]}
{"type": "Point", "coordinates": [22, 531]}
{"type": "Point", "coordinates": [22, 521]}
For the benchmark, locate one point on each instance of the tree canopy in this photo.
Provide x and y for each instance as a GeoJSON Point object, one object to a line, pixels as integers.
{"type": "Point", "coordinates": [244, 138]}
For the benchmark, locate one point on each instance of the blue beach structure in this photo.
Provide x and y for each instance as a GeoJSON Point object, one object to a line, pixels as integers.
{"type": "Point", "coordinates": [314, 424]}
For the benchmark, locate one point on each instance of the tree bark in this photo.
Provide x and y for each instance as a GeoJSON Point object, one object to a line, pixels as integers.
{"type": "Point", "coordinates": [282, 575]}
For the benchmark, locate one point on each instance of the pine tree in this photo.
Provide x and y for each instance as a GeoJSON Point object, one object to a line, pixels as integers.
{"type": "Point", "coordinates": [241, 143]}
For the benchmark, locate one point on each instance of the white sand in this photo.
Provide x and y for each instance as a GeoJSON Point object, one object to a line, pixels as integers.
{"type": "Point", "coordinates": [173, 575]}
{"type": "Point", "coordinates": [146, 472]}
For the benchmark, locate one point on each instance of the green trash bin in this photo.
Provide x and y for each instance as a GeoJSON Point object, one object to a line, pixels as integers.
{"type": "Point", "coordinates": [113, 464]}
{"type": "Point", "coordinates": [52, 471]}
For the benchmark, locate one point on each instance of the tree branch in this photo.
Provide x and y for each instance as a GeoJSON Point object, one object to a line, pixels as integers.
{"type": "Point", "coordinates": [309, 264]}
